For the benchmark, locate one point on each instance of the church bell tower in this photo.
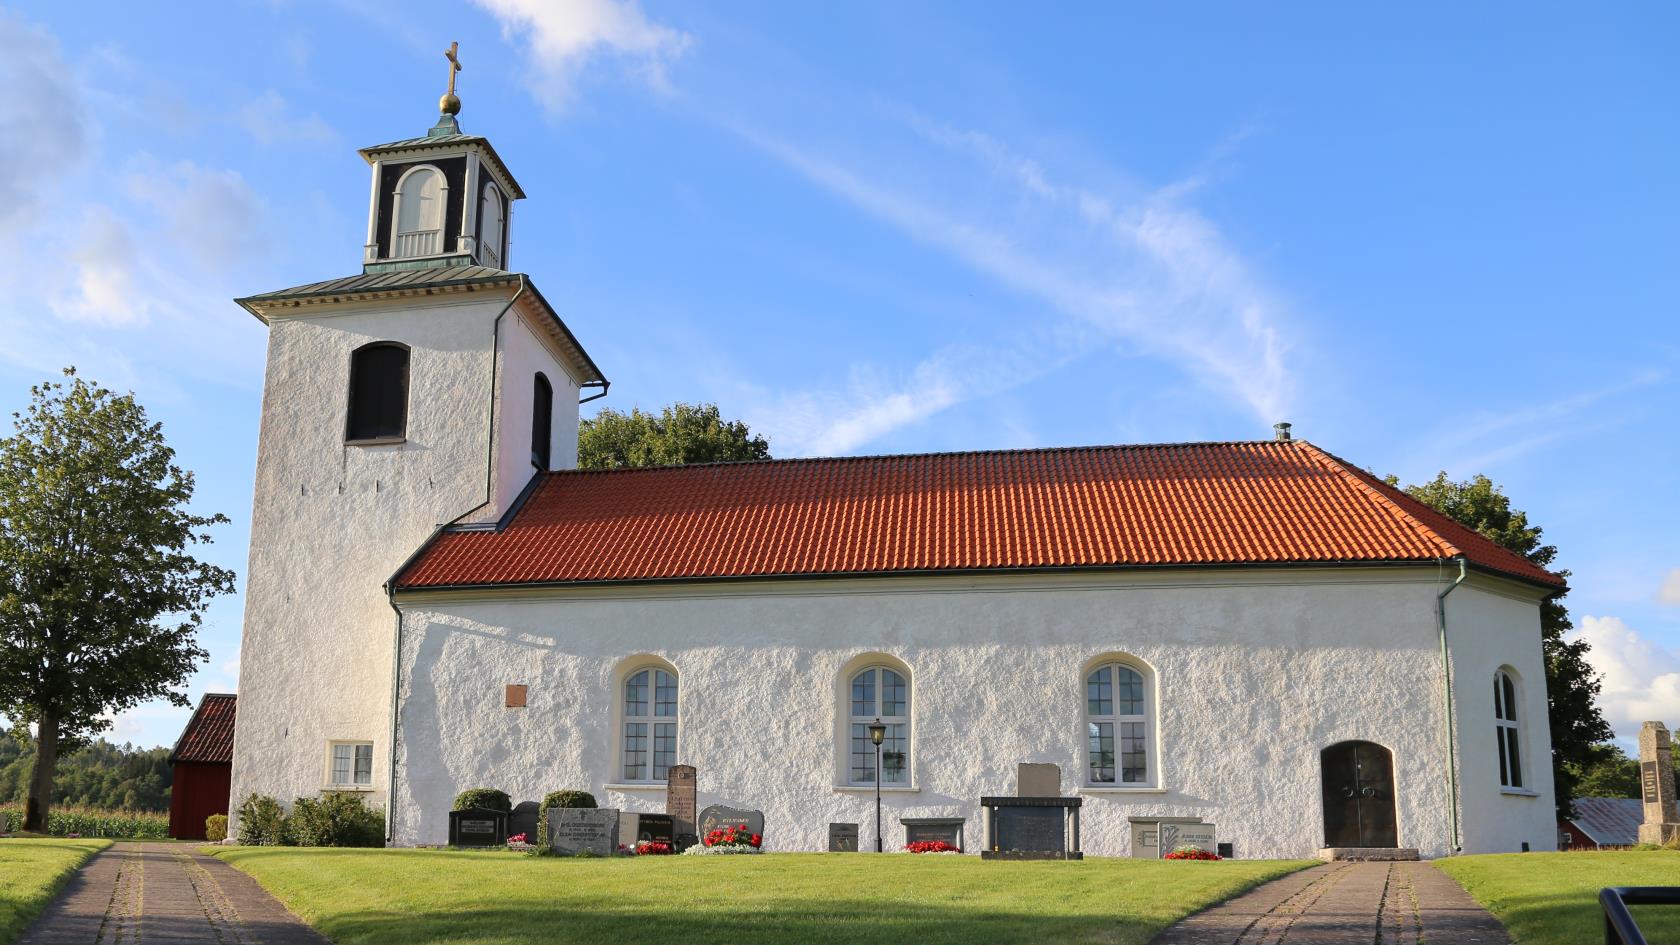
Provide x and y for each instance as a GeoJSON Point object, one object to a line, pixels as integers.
{"type": "Point", "coordinates": [427, 391]}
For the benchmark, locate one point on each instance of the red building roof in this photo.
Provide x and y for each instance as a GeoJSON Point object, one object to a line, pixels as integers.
{"type": "Point", "coordinates": [208, 736]}
{"type": "Point", "coordinates": [1196, 504]}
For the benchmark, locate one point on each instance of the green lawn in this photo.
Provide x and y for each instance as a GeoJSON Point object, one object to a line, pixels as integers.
{"type": "Point", "coordinates": [1552, 898]}
{"type": "Point", "coordinates": [412, 897]}
{"type": "Point", "coordinates": [31, 871]}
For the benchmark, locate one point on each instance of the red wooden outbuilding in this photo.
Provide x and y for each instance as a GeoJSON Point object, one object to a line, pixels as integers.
{"type": "Point", "coordinates": [203, 763]}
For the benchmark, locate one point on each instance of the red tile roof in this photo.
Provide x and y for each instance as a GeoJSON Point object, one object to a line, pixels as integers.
{"type": "Point", "coordinates": [208, 736]}
{"type": "Point", "coordinates": [1261, 503]}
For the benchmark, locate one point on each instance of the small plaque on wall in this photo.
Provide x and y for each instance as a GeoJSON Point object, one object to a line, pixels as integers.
{"type": "Point", "coordinates": [516, 696]}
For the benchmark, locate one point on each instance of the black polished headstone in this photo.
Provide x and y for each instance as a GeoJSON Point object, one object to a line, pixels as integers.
{"type": "Point", "coordinates": [1032, 828]}
{"type": "Point", "coordinates": [477, 827]}
{"type": "Point", "coordinates": [842, 838]}
{"type": "Point", "coordinates": [656, 828]}
{"type": "Point", "coordinates": [717, 817]}
{"type": "Point", "coordinates": [523, 820]}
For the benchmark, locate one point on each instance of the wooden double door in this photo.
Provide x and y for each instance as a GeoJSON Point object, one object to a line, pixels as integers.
{"type": "Point", "coordinates": [1358, 782]}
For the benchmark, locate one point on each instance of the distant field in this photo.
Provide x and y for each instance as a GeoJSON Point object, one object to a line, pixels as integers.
{"type": "Point", "coordinates": [87, 822]}
{"type": "Point", "coordinates": [414, 897]}
{"type": "Point", "coordinates": [31, 872]}
{"type": "Point", "coordinates": [1552, 898]}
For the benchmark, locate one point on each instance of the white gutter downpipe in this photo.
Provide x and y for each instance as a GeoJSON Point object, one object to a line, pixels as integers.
{"type": "Point", "coordinates": [1447, 689]}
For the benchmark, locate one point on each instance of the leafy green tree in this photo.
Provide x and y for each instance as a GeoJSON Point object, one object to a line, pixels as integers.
{"type": "Point", "coordinates": [1609, 773]}
{"type": "Point", "coordinates": [100, 595]}
{"type": "Point", "coordinates": [1572, 687]}
{"type": "Point", "coordinates": [678, 435]}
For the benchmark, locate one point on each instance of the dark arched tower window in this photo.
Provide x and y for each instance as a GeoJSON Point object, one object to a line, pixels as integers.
{"type": "Point", "coordinates": [542, 421]}
{"type": "Point", "coordinates": [378, 392]}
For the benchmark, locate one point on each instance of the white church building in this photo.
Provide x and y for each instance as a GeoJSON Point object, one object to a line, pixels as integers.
{"type": "Point", "coordinates": [1258, 635]}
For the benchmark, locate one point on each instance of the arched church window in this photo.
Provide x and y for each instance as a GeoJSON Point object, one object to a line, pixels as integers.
{"type": "Point", "coordinates": [491, 217]}
{"type": "Point", "coordinates": [419, 213]}
{"type": "Point", "coordinates": [542, 421]}
{"type": "Point", "coordinates": [378, 392]}
{"type": "Point", "coordinates": [650, 723]}
{"type": "Point", "coordinates": [1507, 729]}
{"type": "Point", "coordinates": [1117, 725]}
{"type": "Point", "coordinates": [883, 693]}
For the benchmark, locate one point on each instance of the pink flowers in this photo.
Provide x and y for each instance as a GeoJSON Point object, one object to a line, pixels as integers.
{"type": "Point", "coordinates": [518, 838]}
{"type": "Point", "coordinates": [654, 848]}
{"type": "Point", "coordinates": [1190, 853]}
{"type": "Point", "coordinates": [931, 846]}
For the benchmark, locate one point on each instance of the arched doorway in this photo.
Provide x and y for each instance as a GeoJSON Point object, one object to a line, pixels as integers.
{"type": "Point", "coordinates": [1358, 795]}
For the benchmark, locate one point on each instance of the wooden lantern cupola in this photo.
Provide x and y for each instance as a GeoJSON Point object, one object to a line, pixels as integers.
{"type": "Point", "coordinates": [444, 199]}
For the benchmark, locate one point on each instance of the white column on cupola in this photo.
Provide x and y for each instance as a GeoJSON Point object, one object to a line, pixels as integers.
{"type": "Point", "coordinates": [370, 252]}
{"type": "Point", "coordinates": [469, 210]}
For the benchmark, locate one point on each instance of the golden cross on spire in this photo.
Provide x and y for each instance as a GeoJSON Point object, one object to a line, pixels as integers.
{"type": "Point", "coordinates": [450, 104]}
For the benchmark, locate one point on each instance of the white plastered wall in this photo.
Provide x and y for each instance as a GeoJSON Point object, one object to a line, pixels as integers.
{"type": "Point", "coordinates": [1493, 623]}
{"type": "Point", "coordinates": [331, 522]}
{"type": "Point", "coordinates": [1255, 671]}
{"type": "Point", "coordinates": [525, 350]}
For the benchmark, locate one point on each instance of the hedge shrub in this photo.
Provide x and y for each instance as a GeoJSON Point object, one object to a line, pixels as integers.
{"type": "Point", "coordinates": [335, 819]}
{"type": "Point", "coordinates": [262, 822]}
{"type": "Point", "coordinates": [487, 798]}
{"type": "Point", "coordinates": [571, 799]}
{"type": "Point", "coordinates": [215, 828]}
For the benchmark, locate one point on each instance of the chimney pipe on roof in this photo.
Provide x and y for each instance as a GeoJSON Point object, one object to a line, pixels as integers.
{"type": "Point", "coordinates": [1282, 428]}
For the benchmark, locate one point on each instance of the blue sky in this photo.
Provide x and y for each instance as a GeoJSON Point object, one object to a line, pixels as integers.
{"type": "Point", "coordinates": [1432, 237]}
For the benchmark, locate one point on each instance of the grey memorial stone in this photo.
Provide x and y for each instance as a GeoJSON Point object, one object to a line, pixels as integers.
{"type": "Point", "coordinates": [842, 838]}
{"type": "Point", "coordinates": [948, 829]}
{"type": "Point", "coordinates": [1031, 828]}
{"type": "Point", "coordinates": [681, 782]}
{"type": "Point", "coordinates": [583, 830]}
{"type": "Point", "coordinates": [523, 820]}
{"type": "Point", "coordinates": [1656, 784]}
{"type": "Point", "coordinates": [1038, 780]}
{"type": "Point", "coordinates": [1198, 835]}
{"type": "Point", "coordinates": [477, 827]}
{"type": "Point", "coordinates": [718, 816]}
{"type": "Point", "coordinates": [1146, 834]}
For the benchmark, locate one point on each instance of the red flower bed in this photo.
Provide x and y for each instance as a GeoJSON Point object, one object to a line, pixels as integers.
{"type": "Point", "coordinates": [654, 848]}
{"type": "Point", "coordinates": [931, 846]}
{"type": "Point", "coordinates": [1190, 853]}
{"type": "Point", "coordinates": [733, 837]}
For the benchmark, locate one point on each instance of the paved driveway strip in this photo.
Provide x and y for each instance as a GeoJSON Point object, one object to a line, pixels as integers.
{"type": "Point", "coordinates": [1346, 904]}
{"type": "Point", "coordinates": [156, 892]}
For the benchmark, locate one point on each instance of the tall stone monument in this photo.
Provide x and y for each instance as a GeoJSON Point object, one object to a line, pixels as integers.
{"type": "Point", "coordinates": [1656, 784]}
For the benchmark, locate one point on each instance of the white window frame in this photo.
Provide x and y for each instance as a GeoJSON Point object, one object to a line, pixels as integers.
{"type": "Point", "coordinates": [902, 719]}
{"type": "Point", "coordinates": [1145, 718]}
{"type": "Point", "coordinates": [1507, 729]}
{"type": "Point", "coordinates": [645, 770]}
{"type": "Point", "coordinates": [396, 210]}
{"type": "Point", "coordinates": [328, 778]}
{"type": "Point", "coordinates": [491, 243]}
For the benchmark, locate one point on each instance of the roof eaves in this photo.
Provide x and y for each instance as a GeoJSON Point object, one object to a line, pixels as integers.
{"type": "Point", "coordinates": [444, 142]}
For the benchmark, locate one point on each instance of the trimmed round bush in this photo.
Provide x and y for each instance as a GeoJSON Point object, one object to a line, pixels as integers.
{"type": "Point", "coordinates": [483, 797]}
{"type": "Point", "coordinates": [215, 828]}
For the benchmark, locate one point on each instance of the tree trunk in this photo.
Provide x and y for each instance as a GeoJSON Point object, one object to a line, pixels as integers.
{"type": "Point", "coordinates": [41, 779]}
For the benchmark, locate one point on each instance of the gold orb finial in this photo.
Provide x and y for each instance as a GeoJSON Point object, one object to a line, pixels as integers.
{"type": "Point", "coordinates": [450, 103]}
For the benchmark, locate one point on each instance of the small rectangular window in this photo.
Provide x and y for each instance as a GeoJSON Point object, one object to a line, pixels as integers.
{"type": "Point", "coordinates": [350, 764]}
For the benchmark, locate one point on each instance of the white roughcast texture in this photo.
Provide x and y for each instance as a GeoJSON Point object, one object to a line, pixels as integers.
{"type": "Point", "coordinates": [1251, 674]}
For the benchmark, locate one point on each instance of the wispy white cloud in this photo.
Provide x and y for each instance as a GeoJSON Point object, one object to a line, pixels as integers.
{"type": "Point", "coordinates": [103, 286]}
{"type": "Point", "coordinates": [1669, 593]}
{"type": "Point", "coordinates": [43, 120]}
{"type": "Point", "coordinates": [562, 36]}
{"type": "Point", "coordinates": [271, 121]}
{"type": "Point", "coordinates": [1641, 677]}
{"type": "Point", "coordinates": [1488, 438]}
{"type": "Point", "coordinates": [209, 214]}
{"type": "Point", "coordinates": [1150, 273]}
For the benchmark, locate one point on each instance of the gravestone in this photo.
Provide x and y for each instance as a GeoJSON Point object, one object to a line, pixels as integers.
{"type": "Point", "coordinates": [477, 827]}
{"type": "Point", "coordinates": [718, 816]}
{"type": "Point", "coordinates": [1031, 828]}
{"type": "Point", "coordinates": [680, 785]}
{"type": "Point", "coordinates": [919, 829]}
{"type": "Point", "coordinates": [842, 838]}
{"type": "Point", "coordinates": [1146, 835]}
{"type": "Point", "coordinates": [1175, 835]}
{"type": "Point", "coordinates": [574, 830]}
{"type": "Point", "coordinates": [523, 820]}
{"type": "Point", "coordinates": [655, 828]}
{"type": "Point", "coordinates": [1656, 784]}
{"type": "Point", "coordinates": [1038, 780]}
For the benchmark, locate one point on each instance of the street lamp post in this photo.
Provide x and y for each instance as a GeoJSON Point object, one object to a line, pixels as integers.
{"type": "Point", "coordinates": [878, 733]}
